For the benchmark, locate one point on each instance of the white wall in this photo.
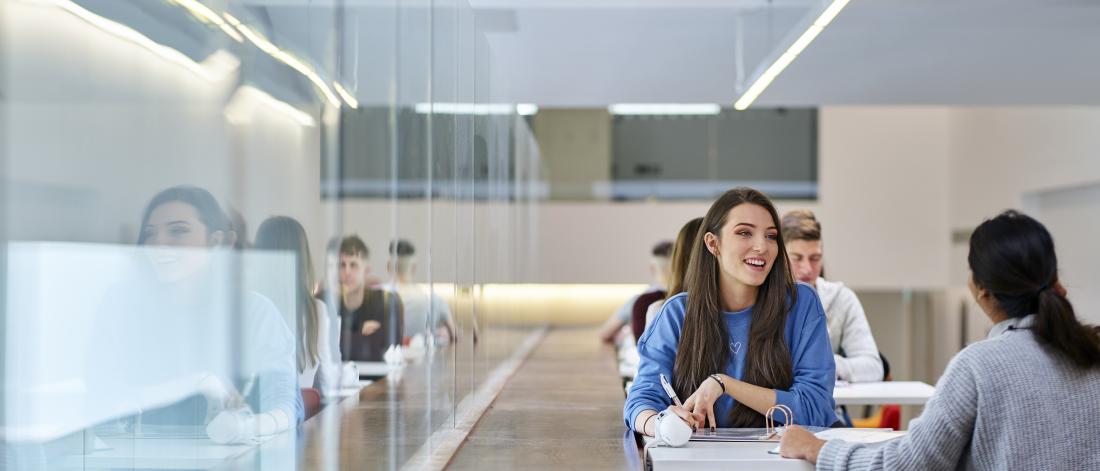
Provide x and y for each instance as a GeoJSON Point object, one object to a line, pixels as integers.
{"type": "Point", "coordinates": [884, 195]}
{"type": "Point", "coordinates": [1000, 156]}
{"type": "Point", "coordinates": [85, 155]}
{"type": "Point", "coordinates": [568, 242]}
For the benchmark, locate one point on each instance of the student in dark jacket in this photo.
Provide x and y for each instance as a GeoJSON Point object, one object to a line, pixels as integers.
{"type": "Point", "coordinates": [372, 320]}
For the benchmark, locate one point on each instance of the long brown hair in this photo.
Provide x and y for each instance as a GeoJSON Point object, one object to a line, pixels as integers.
{"type": "Point", "coordinates": [1012, 256]}
{"type": "Point", "coordinates": [681, 255]}
{"type": "Point", "coordinates": [702, 350]}
{"type": "Point", "coordinates": [284, 233]}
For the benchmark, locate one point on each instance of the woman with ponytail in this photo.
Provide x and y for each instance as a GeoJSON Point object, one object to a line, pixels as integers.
{"type": "Point", "coordinates": [743, 337]}
{"type": "Point", "coordinates": [1027, 397]}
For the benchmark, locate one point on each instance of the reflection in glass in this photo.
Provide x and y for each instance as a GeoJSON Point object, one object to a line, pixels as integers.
{"type": "Point", "coordinates": [143, 328]}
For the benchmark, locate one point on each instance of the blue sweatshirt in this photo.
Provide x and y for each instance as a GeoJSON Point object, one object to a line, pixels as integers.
{"type": "Point", "coordinates": [810, 396]}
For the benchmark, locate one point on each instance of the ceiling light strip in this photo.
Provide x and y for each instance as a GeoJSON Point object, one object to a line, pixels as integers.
{"type": "Point", "coordinates": [206, 15]}
{"type": "Point", "coordinates": [789, 55]}
{"type": "Point", "coordinates": [523, 109]}
{"type": "Point", "coordinates": [282, 56]}
{"type": "Point", "coordinates": [665, 109]}
{"type": "Point", "coordinates": [343, 92]}
{"type": "Point", "coordinates": [127, 33]}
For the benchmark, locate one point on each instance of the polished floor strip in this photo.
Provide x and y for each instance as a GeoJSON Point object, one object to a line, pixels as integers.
{"type": "Point", "coordinates": [444, 442]}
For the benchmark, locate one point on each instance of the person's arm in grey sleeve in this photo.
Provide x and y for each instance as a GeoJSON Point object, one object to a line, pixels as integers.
{"type": "Point", "coordinates": [937, 440]}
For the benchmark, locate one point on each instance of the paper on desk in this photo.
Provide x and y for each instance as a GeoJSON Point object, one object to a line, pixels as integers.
{"type": "Point", "coordinates": [352, 390]}
{"type": "Point", "coordinates": [855, 435]}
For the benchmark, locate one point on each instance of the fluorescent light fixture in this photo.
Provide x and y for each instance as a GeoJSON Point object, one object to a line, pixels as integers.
{"type": "Point", "coordinates": [214, 68]}
{"type": "Point", "coordinates": [527, 109]}
{"type": "Point", "coordinates": [256, 38]}
{"type": "Point", "coordinates": [789, 55]}
{"type": "Point", "coordinates": [282, 56]}
{"type": "Point", "coordinates": [665, 109]}
{"type": "Point", "coordinates": [242, 106]}
{"type": "Point", "coordinates": [343, 92]}
{"type": "Point", "coordinates": [472, 108]}
{"type": "Point", "coordinates": [206, 15]}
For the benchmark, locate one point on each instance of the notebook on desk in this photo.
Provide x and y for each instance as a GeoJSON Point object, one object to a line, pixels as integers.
{"type": "Point", "coordinates": [740, 434]}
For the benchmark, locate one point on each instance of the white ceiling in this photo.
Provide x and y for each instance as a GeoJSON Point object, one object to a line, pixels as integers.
{"type": "Point", "coordinates": [925, 52]}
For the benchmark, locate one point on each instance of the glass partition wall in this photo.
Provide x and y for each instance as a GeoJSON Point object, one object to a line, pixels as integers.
{"type": "Point", "coordinates": [253, 235]}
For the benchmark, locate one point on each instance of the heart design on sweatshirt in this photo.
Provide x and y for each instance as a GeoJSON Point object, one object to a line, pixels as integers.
{"type": "Point", "coordinates": [735, 347]}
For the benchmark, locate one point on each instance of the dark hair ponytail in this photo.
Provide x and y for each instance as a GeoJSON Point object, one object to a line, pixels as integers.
{"type": "Point", "coordinates": [1012, 256]}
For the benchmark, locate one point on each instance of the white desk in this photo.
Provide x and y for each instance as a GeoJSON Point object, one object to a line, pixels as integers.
{"type": "Point", "coordinates": [703, 456]}
{"type": "Point", "coordinates": [909, 393]}
{"type": "Point", "coordinates": [884, 392]}
{"type": "Point", "coordinates": [157, 453]}
{"type": "Point", "coordinates": [732, 456]}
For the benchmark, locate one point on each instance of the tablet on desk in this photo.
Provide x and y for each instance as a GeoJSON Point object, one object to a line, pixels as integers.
{"type": "Point", "coordinates": [740, 434]}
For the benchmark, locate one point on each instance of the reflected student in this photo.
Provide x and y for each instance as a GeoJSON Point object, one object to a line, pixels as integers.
{"type": "Point", "coordinates": [317, 367]}
{"type": "Point", "coordinates": [743, 337]}
{"type": "Point", "coordinates": [425, 312]}
{"type": "Point", "coordinates": [181, 321]}
{"type": "Point", "coordinates": [1024, 398]}
{"type": "Point", "coordinates": [371, 319]}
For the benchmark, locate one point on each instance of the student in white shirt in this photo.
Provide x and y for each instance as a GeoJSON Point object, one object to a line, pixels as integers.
{"type": "Point", "coordinates": [425, 313]}
{"type": "Point", "coordinates": [854, 350]}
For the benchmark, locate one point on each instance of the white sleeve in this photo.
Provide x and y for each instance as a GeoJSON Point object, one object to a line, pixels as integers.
{"type": "Point", "coordinates": [626, 310]}
{"type": "Point", "coordinates": [652, 311]}
{"type": "Point", "coordinates": [861, 362]}
{"type": "Point", "coordinates": [328, 371]}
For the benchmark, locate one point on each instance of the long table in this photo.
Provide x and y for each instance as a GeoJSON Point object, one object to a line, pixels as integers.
{"type": "Point", "coordinates": [913, 393]}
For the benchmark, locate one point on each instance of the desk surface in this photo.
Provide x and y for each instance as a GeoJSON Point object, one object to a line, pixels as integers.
{"type": "Point", "coordinates": [703, 456]}
{"type": "Point", "coordinates": [884, 392]}
{"type": "Point", "coordinates": [880, 392]}
{"type": "Point", "coordinates": [387, 422]}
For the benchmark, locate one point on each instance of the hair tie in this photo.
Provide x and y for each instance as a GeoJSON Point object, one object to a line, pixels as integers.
{"type": "Point", "coordinates": [1044, 288]}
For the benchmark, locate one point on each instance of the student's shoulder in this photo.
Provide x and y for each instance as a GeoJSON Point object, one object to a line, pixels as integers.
{"type": "Point", "coordinates": [806, 295]}
{"type": "Point", "coordinates": [672, 312]}
{"type": "Point", "coordinates": [807, 305]}
{"type": "Point", "coordinates": [676, 303]}
{"type": "Point", "coordinates": [668, 321]}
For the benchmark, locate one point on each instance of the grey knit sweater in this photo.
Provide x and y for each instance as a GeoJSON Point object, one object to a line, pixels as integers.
{"type": "Point", "coordinates": [1003, 403]}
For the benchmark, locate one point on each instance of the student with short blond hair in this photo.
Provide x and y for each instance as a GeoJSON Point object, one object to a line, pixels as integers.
{"type": "Point", "coordinates": [854, 349]}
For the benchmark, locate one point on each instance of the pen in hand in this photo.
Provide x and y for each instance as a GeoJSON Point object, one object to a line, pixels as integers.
{"type": "Point", "coordinates": [671, 392]}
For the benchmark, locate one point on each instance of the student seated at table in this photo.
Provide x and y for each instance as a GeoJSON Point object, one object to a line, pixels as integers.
{"type": "Point", "coordinates": [426, 313]}
{"type": "Point", "coordinates": [744, 337]}
{"type": "Point", "coordinates": [1024, 398]}
{"type": "Point", "coordinates": [612, 329]}
{"type": "Point", "coordinates": [174, 318]}
{"type": "Point", "coordinates": [854, 350]}
{"type": "Point", "coordinates": [681, 255]}
{"type": "Point", "coordinates": [372, 320]}
{"type": "Point", "coordinates": [318, 369]}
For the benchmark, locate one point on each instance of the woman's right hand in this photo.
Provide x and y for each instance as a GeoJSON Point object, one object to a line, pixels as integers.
{"type": "Point", "coordinates": [694, 420]}
{"type": "Point", "coordinates": [701, 403]}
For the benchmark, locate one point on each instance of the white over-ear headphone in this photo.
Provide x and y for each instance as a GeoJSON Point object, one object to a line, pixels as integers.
{"type": "Point", "coordinates": [671, 430]}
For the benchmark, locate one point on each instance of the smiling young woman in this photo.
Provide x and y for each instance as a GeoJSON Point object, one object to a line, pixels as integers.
{"type": "Point", "coordinates": [743, 337]}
